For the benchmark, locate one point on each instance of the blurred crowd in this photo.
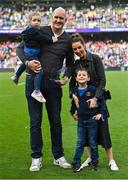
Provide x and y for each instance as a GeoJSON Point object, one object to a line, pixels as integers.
{"type": "Point", "coordinates": [103, 17]}
{"type": "Point", "coordinates": [8, 54]}
{"type": "Point", "coordinates": [113, 54]}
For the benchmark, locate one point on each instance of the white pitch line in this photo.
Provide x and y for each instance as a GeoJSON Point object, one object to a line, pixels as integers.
{"type": "Point", "coordinates": [5, 95]}
{"type": "Point", "coordinates": [20, 84]}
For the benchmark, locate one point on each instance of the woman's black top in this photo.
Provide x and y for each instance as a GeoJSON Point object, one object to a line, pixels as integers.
{"type": "Point", "coordinates": [97, 74]}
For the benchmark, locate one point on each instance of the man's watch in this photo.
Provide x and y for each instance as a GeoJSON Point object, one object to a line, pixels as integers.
{"type": "Point", "coordinates": [26, 63]}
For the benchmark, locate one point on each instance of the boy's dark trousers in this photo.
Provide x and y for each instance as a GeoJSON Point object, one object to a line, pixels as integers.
{"type": "Point", "coordinates": [86, 134]}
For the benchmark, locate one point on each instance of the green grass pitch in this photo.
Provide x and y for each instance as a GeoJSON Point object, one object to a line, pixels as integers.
{"type": "Point", "coordinates": [14, 133]}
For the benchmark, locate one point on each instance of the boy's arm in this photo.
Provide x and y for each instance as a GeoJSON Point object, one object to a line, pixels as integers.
{"type": "Point", "coordinates": [73, 108]}
{"type": "Point", "coordinates": [75, 117]}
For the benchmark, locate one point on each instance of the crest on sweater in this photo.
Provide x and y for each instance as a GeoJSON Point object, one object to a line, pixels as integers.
{"type": "Point", "coordinates": [88, 93]}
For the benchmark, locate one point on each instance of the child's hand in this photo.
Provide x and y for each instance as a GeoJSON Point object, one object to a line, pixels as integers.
{"type": "Point", "coordinates": [55, 39]}
{"type": "Point", "coordinates": [97, 117]}
{"type": "Point", "coordinates": [76, 100]}
{"type": "Point", "coordinates": [75, 117]}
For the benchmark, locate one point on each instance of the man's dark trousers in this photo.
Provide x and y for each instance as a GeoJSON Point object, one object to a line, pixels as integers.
{"type": "Point", "coordinates": [53, 93]}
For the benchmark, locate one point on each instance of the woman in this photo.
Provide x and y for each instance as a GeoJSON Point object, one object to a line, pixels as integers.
{"type": "Point", "coordinates": [95, 66]}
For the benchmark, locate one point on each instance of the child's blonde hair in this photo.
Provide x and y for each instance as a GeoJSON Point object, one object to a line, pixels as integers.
{"type": "Point", "coordinates": [33, 14]}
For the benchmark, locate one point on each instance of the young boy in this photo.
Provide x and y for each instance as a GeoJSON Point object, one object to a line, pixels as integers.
{"type": "Point", "coordinates": [34, 38]}
{"type": "Point", "coordinates": [87, 120]}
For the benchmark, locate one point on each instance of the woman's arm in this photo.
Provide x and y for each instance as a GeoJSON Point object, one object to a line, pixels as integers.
{"type": "Point", "coordinates": [99, 69]}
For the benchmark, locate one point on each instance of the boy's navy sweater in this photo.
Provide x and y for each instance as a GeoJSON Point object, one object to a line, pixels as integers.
{"type": "Point", "coordinates": [83, 111]}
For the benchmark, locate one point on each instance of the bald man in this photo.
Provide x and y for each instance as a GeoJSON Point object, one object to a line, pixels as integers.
{"type": "Point", "coordinates": [51, 60]}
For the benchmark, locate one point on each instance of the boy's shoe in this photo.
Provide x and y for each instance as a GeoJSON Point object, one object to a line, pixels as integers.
{"type": "Point", "coordinates": [113, 166]}
{"type": "Point", "coordinates": [76, 167]}
{"type": "Point", "coordinates": [36, 164]}
{"type": "Point", "coordinates": [94, 165]}
{"type": "Point", "coordinates": [86, 163]}
{"type": "Point", "coordinates": [38, 96]}
{"type": "Point", "coordinates": [15, 79]}
{"type": "Point", "coordinates": [62, 162]}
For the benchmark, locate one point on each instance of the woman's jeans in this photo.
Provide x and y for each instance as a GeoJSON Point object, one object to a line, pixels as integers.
{"type": "Point", "coordinates": [86, 134]}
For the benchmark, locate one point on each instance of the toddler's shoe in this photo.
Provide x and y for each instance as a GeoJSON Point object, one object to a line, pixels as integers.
{"type": "Point", "coordinates": [15, 79]}
{"type": "Point", "coordinates": [38, 96]}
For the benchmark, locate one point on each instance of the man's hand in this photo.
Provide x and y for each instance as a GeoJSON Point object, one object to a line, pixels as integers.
{"type": "Point", "coordinates": [62, 82]}
{"type": "Point", "coordinates": [75, 117]}
{"type": "Point", "coordinates": [34, 65]}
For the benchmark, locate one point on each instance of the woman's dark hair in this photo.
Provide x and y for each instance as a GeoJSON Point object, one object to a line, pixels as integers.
{"type": "Point", "coordinates": [76, 37]}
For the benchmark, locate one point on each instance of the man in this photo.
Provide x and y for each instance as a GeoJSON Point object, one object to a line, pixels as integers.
{"type": "Point", "coordinates": [51, 58]}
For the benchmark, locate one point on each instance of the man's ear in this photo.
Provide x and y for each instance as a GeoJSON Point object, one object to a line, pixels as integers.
{"type": "Point", "coordinates": [85, 46]}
